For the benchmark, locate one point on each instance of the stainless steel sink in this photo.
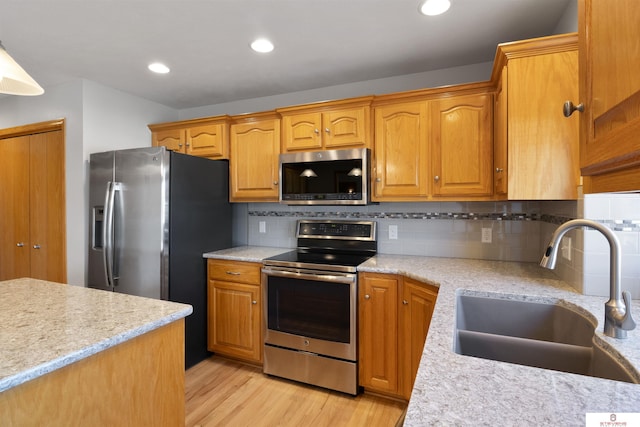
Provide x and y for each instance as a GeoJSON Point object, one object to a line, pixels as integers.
{"type": "Point", "coordinates": [549, 336]}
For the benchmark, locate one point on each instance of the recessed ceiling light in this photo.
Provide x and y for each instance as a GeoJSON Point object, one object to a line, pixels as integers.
{"type": "Point", "coordinates": [262, 45]}
{"type": "Point", "coordinates": [435, 7]}
{"type": "Point", "coordinates": [159, 68]}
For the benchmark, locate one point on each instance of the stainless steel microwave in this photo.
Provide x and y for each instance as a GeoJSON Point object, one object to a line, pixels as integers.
{"type": "Point", "coordinates": [331, 177]}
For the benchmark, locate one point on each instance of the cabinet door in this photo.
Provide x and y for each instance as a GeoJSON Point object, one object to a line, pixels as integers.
{"type": "Point", "coordinates": [543, 144]}
{"type": "Point", "coordinates": [401, 152]}
{"type": "Point", "coordinates": [302, 132]}
{"type": "Point", "coordinates": [47, 206]}
{"type": "Point", "coordinates": [418, 302]}
{"type": "Point", "coordinates": [234, 320]}
{"type": "Point", "coordinates": [347, 128]}
{"type": "Point", "coordinates": [254, 161]}
{"type": "Point", "coordinates": [15, 247]}
{"type": "Point", "coordinates": [610, 90]}
{"type": "Point", "coordinates": [462, 156]}
{"type": "Point", "coordinates": [500, 135]}
{"type": "Point", "coordinates": [378, 339]}
{"type": "Point", "coordinates": [207, 141]}
{"type": "Point", "coordinates": [172, 139]}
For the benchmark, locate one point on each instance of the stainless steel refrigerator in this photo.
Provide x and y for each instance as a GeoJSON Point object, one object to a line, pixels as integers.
{"type": "Point", "coordinates": [153, 213]}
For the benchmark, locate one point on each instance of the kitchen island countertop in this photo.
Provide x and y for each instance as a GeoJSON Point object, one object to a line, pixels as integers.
{"type": "Point", "coordinates": [451, 389]}
{"type": "Point", "coordinates": [47, 326]}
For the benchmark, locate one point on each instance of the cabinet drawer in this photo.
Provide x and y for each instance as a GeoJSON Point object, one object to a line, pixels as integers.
{"type": "Point", "coordinates": [234, 271]}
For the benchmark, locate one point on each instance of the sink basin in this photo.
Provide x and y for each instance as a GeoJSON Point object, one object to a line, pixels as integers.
{"type": "Point", "coordinates": [542, 335]}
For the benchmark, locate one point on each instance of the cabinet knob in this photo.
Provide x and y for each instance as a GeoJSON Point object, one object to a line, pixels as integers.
{"type": "Point", "coordinates": [36, 246]}
{"type": "Point", "coordinates": [436, 178]}
{"type": "Point", "coordinates": [19, 244]}
{"type": "Point", "coordinates": [405, 302]}
{"type": "Point", "coordinates": [275, 182]}
{"type": "Point", "coordinates": [187, 144]}
{"type": "Point", "coordinates": [498, 170]}
{"type": "Point", "coordinates": [316, 131]}
{"type": "Point", "coordinates": [569, 108]}
{"type": "Point", "coordinates": [367, 297]}
{"type": "Point", "coordinates": [378, 180]}
{"type": "Point", "coordinates": [327, 130]}
{"type": "Point", "coordinates": [254, 302]}
{"type": "Point", "coordinates": [180, 145]}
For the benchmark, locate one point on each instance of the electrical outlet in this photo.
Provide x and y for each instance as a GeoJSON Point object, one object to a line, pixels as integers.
{"type": "Point", "coordinates": [486, 235]}
{"type": "Point", "coordinates": [393, 232]}
{"type": "Point", "coordinates": [262, 225]}
{"type": "Point", "coordinates": [565, 247]}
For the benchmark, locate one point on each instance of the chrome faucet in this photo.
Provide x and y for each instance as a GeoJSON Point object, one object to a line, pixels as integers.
{"type": "Point", "coordinates": [617, 313]}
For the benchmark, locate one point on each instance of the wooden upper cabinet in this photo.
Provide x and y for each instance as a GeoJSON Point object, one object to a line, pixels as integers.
{"type": "Point", "coordinates": [254, 151]}
{"type": "Point", "coordinates": [462, 145]}
{"type": "Point", "coordinates": [438, 146]}
{"type": "Point", "coordinates": [208, 140]}
{"type": "Point", "coordinates": [327, 125]}
{"type": "Point", "coordinates": [207, 137]}
{"type": "Point", "coordinates": [610, 92]}
{"type": "Point", "coordinates": [500, 137]}
{"type": "Point", "coordinates": [536, 148]}
{"type": "Point", "coordinates": [401, 152]}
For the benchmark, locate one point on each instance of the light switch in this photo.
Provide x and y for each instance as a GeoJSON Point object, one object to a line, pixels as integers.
{"type": "Point", "coordinates": [262, 225]}
{"type": "Point", "coordinates": [486, 235]}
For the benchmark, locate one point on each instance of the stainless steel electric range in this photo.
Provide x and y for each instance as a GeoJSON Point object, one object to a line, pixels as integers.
{"type": "Point", "coordinates": [310, 297]}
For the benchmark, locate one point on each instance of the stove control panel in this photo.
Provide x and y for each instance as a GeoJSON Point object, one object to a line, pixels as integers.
{"type": "Point", "coordinates": [336, 229]}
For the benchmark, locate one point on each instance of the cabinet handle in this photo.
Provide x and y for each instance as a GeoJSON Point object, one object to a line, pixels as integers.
{"type": "Point", "coordinates": [569, 108]}
{"type": "Point", "coordinates": [233, 273]}
{"type": "Point", "coordinates": [378, 179]}
{"type": "Point", "coordinates": [316, 131]}
{"type": "Point", "coordinates": [36, 246]}
{"type": "Point", "coordinates": [327, 130]}
{"type": "Point", "coordinates": [254, 302]}
{"type": "Point", "coordinates": [405, 302]}
{"type": "Point", "coordinates": [367, 297]}
{"type": "Point", "coordinates": [498, 170]}
{"type": "Point", "coordinates": [436, 178]}
{"type": "Point", "coordinates": [19, 244]}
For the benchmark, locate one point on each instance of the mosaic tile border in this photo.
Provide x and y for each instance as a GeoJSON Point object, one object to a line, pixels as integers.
{"type": "Point", "coordinates": [616, 225]}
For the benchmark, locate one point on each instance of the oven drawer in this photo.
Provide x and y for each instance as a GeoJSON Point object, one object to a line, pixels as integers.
{"type": "Point", "coordinates": [234, 271]}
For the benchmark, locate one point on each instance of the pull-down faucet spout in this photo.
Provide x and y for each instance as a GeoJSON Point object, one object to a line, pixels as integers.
{"type": "Point", "coordinates": [617, 311]}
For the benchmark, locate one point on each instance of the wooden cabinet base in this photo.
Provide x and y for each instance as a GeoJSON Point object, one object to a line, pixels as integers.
{"type": "Point", "coordinates": [137, 383]}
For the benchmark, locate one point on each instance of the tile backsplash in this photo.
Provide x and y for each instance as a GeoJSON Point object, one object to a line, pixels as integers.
{"type": "Point", "coordinates": [519, 231]}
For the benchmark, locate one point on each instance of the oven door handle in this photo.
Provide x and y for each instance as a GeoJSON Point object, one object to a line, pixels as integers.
{"type": "Point", "coordinates": [321, 276]}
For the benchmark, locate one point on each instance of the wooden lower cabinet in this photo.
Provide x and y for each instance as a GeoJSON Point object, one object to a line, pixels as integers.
{"type": "Point", "coordinates": [234, 326]}
{"type": "Point", "coordinates": [394, 317]}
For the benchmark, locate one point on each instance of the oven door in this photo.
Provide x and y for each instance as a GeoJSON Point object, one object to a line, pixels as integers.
{"type": "Point", "coordinates": [312, 311]}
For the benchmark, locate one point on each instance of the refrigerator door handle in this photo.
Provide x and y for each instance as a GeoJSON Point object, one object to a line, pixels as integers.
{"type": "Point", "coordinates": [108, 231]}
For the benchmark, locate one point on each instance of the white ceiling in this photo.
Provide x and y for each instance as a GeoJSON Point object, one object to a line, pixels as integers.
{"type": "Point", "coordinates": [319, 43]}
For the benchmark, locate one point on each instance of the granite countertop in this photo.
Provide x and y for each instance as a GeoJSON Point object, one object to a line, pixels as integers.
{"type": "Point", "coordinates": [451, 389]}
{"type": "Point", "coordinates": [246, 253]}
{"type": "Point", "coordinates": [46, 325]}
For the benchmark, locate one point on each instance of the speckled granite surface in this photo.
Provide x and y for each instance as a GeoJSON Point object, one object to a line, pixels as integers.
{"type": "Point", "coordinates": [452, 389]}
{"type": "Point", "coordinates": [246, 253]}
{"type": "Point", "coordinates": [45, 326]}
{"type": "Point", "coordinates": [455, 390]}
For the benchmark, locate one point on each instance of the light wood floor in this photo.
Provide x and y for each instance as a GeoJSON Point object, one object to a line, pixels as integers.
{"type": "Point", "coordinates": [221, 392]}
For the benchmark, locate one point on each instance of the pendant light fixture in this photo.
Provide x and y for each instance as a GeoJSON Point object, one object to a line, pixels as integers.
{"type": "Point", "coordinates": [13, 79]}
